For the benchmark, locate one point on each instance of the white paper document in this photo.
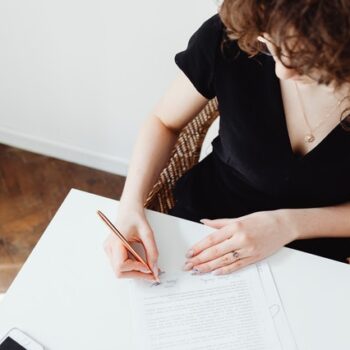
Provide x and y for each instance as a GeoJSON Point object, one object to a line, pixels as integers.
{"type": "Point", "coordinates": [241, 310]}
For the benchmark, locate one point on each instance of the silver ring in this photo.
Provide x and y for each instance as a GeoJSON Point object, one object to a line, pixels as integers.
{"type": "Point", "coordinates": [235, 254]}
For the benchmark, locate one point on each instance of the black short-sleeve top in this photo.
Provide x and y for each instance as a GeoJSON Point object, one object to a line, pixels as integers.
{"type": "Point", "coordinates": [253, 151]}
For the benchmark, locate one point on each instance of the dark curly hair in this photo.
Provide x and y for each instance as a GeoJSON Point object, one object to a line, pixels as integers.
{"type": "Point", "coordinates": [320, 28]}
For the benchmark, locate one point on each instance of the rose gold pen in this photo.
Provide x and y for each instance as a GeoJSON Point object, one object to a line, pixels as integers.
{"type": "Point", "coordinates": [125, 242]}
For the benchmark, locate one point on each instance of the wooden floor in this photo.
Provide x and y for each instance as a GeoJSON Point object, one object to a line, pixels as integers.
{"type": "Point", "coordinates": [32, 187]}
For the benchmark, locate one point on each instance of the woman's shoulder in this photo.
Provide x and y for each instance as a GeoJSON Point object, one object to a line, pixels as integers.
{"type": "Point", "coordinates": [212, 25]}
{"type": "Point", "coordinates": [208, 34]}
{"type": "Point", "coordinates": [211, 41]}
{"type": "Point", "coordinates": [211, 35]}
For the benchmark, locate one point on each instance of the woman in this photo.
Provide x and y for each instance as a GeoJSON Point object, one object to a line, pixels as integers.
{"type": "Point", "coordinates": [278, 174]}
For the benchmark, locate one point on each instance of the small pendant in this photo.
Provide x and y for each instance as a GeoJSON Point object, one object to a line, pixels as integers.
{"type": "Point", "coordinates": [309, 138]}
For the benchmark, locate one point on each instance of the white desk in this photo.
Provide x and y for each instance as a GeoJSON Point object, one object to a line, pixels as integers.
{"type": "Point", "coordinates": [67, 297]}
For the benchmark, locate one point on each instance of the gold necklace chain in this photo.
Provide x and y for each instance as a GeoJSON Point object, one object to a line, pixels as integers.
{"type": "Point", "coordinates": [310, 137]}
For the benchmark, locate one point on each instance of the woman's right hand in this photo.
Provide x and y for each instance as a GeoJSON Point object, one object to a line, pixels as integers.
{"type": "Point", "coordinates": [132, 223]}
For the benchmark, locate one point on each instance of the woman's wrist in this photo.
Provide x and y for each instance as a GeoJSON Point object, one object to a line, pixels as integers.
{"type": "Point", "coordinates": [134, 204]}
{"type": "Point", "coordinates": [292, 222]}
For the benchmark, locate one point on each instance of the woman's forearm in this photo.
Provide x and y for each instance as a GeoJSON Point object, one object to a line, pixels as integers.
{"type": "Point", "coordinates": [151, 152]}
{"type": "Point", "coordinates": [332, 221]}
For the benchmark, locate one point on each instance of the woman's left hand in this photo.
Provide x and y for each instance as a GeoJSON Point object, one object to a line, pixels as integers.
{"type": "Point", "coordinates": [239, 242]}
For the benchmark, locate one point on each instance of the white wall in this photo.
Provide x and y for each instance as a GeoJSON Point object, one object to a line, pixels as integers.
{"type": "Point", "coordinates": [77, 77]}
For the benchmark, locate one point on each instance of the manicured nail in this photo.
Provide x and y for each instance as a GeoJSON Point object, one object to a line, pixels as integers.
{"type": "Point", "coordinates": [216, 272]}
{"type": "Point", "coordinates": [204, 220]}
{"type": "Point", "coordinates": [188, 266]}
{"type": "Point", "coordinates": [145, 270]}
{"type": "Point", "coordinates": [155, 272]}
{"type": "Point", "coordinates": [189, 254]}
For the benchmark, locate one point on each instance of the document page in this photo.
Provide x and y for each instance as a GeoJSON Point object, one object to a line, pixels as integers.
{"type": "Point", "coordinates": [205, 311]}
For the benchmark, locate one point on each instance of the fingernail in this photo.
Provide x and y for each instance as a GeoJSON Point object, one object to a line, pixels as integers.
{"type": "Point", "coordinates": [216, 272]}
{"type": "Point", "coordinates": [145, 270]}
{"type": "Point", "coordinates": [155, 271]}
{"type": "Point", "coordinates": [188, 266]}
{"type": "Point", "coordinates": [189, 254]}
{"type": "Point", "coordinates": [202, 220]}
{"type": "Point", "coordinates": [195, 272]}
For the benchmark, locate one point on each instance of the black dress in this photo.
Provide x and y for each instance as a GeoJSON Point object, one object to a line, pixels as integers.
{"type": "Point", "coordinates": [252, 166]}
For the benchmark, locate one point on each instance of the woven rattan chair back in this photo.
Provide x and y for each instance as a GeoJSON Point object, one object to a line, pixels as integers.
{"type": "Point", "coordinates": [184, 156]}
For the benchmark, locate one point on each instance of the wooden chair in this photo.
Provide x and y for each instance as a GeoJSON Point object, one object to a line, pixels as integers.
{"type": "Point", "coordinates": [184, 156]}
